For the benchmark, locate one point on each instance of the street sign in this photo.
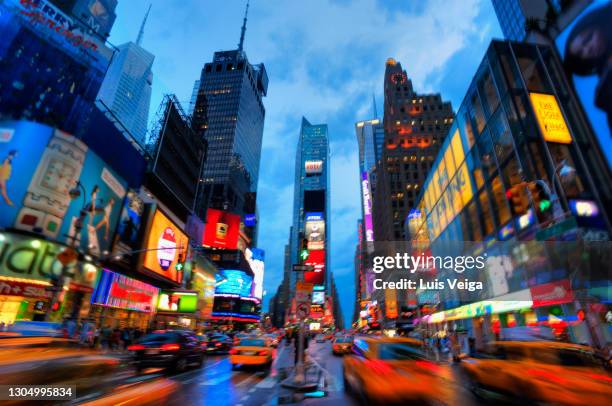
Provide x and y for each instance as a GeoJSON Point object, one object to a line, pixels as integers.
{"type": "Point", "coordinates": [302, 311]}
{"type": "Point", "coordinates": [303, 268]}
{"type": "Point", "coordinates": [556, 229]}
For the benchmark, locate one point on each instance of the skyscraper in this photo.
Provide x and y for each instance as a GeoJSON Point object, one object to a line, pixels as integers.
{"type": "Point", "coordinates": [311, 215]}
{"type": "Point", "coordinates": [126, 90]}
{"type": "Point", "coordinates": [415, 125]}
{"type": "Point", "coordinates": [233, 89]}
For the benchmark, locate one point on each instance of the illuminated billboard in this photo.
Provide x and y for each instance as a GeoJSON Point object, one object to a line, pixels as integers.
{"type": "Point", "coordinates": [584, 47]}
{"type": "Point", "coordinates": [222, 229]}
{"type": "Point", "coordinates": [250, 220]}
{"type": "Point", "coordinates": [255, 258]}
{"type": "Point", "coordinates": [50, 179]}
{"type": "Point", "coordinates": [318, 297]}
{"type": "Point", "coordinates": [233, 282]}
{"type": "Point", "coordinates": [317, 260]}
{"type": "Point", "coordinates": [551, 121]}
{"type": "Point", "coordinates": [167, 246]}
{"type": "Point", "coordinates": [367, 207]}
{"type": "Point", "coordinates": [316, 311]}
{"type": "Point", "coordinates": [315, 234]}
{"type": "Point", "coordinates": [180, 302]}
{"type": "Point", "coordinates": [115, 290]}
{"type": "Point", "coordinates": [313, 167]}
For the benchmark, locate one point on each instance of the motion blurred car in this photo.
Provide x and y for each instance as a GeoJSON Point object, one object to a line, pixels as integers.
{"type": "Point", "coordinates": [329, 336]}
{"type": "Point", "coordinates": [239, 336]}
{"type": "Point", "coordinates": [39, 360]}
{"type": "Point", "coordinates": [540, 372]}
{"type": "Point", "coordinates": [173, 350]}
{"type": "Point", "coordinates": [218, 343]}
{"type": "Point", "coordinates": [342, 345]}
{"type": "Point", "coordinates": [252, 351]}
{"type": "Point", "coordinates": [394, 370]}
{"type": "Point", "coordinates": [320, 338]}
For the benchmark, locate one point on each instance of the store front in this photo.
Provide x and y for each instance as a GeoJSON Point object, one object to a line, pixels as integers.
{"type": "Point", "coordinates": [28, 267]}
{"type": "Point", "coordinates": [119, 301]}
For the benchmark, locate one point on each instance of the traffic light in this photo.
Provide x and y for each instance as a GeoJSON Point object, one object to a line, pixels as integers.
{"type": "Point", "coordinates": [304, 250]}
{"type": "Point", "coordinates": [541, 199]}
{"type": "Point", "coordinates": [517, 198]}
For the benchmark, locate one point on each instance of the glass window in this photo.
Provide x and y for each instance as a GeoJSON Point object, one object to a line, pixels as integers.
{"type": "Point", "coordinates": [472, 210]}
{"type": "Point", "coordinates": [487, 158]}
{"type": "Point", "coordinates": [531, 69]}
{"type": "Point", "coordinates": [501, 137]}
{"type": "Point", "coordinates": [488, 93]}
{"type": "Point", "coordinates": [474, 165]}
{"type": "Point", "coordinates": [466, 129]}
{"type": "Point", "coordinates": [476, 113]}
{"type": "Point", "coordinates": [500, 202]}
{"type": "Point", "coordinates": [487, 215]}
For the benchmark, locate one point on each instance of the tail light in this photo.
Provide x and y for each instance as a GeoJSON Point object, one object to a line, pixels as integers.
{"type": "Point", "coordinates": [540, 373]}
{"type": "Point", "coordinates": [379, 367]}
{"type": "Point", "coordinates": [233, 351]}
{"type": "Point", "coordinates": [218, 344]}
{"type": "Point", "coordinates": [262, 352]}
{"type": "Point", "coordinates": [136, 347]}
{"type": "Point", "coordinates": [170, 347]}
{"type": "Point", "coordinates": [601, 377]}
{"type": "Point", "coordinates": [430, 366]}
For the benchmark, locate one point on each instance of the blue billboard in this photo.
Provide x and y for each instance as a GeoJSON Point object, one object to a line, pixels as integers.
{"type": "Point", "coordinates": [51, 181]}
{"type": "Point", "coordinates": [233, 282]}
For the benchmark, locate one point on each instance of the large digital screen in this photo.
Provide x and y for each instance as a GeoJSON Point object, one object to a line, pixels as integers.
{"type": "Point", "coordinates": [222, 229]}
{"type": "Point", "coordinates": [315, 234]}
{"type": "Point", "coordinates": [181, 302]}
{"type": "Point", "coordinates": [166, 246]}
{"type": "Point", "coordinates": [317, 260]}
{"type": "Point", "coordinates": [51, 180]}
{"type": "Point", "coordinates": [314, 167]}
{"type": "Point", "coordinates": [115, 290]}
{"type": "Point", "coordinates": [584, 47]}
{"type": "Point", "coordinates": [255, 258]}
{"type": "Point", "coordinates": [233, 282]}
{"type": "Point", "coordinates": [367, 207]}
{"type": "Point", "coordinates": [318, 298]}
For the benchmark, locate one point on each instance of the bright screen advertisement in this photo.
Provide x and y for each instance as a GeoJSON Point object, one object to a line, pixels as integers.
{"type": "Point", "coordinates": [367, 206]}
{"type": "Point", "coordinates": [585, 47]}
{"type": "Point", "coordinates": [130, 222]}
{"type": "Point", "coordinates": [317, 260]}
{"type": "Point", "coordinates": [180, 302]}
{"type": "Point", "coordinates": [233, 282]}
{"type": "Point", "coordinates": [115, 290]}
{"type": "Point", "coordinates": [166, 245]}
{"type": "Point", "coordinates": [255, 258]}
{"type": "Point", "coordinates": [315, 234]}
{"type": "Point", "coordinates": [39, 167]}
{"type": "Point", "coordinates": [222, 229]}
{"type": "Point", "coordinates": [318, 298]}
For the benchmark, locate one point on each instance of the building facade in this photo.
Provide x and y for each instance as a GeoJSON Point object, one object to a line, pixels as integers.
{"type": "Point", "coordinates": [415, 125]}
{"type": "Point", "coordinates": [519, 178]}
{"type": "Point", "coordinates": [126, 90]}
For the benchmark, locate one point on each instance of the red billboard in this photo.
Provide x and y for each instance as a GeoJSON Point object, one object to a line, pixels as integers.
{"type": "Point", "coordinates": [552, 293]}
{"type": "Point", "coordinates": [317, 260]}
{"type": "Point", "coordinates": [222, 229]}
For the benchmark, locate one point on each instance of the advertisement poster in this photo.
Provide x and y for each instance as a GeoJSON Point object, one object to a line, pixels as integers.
{"type": "Point", "coordinates": [179, 302]}
{"type": "Point", "coordinates": [130, 222]}
{"type": "Point", "coordinates": [49, 179]}
{"type": "Point", "coordinates": [222, 229]}
{"type": "Point", "coordinates": [316, 259]}
{"type": "Point", "coordinates": [318, 298]}
{"type": "Point", "coordinates": [585, 50]}
{"type": "Point", "coordinates": [167, 246]}
{"type": "Point", "coordinates": [255, 258]}
{"type": "Point", "coordinates": [315, 234]}
{"type": "Point", "coordinates": [115, 290]}
{"type": "Point", "coordinates": [233, 282]}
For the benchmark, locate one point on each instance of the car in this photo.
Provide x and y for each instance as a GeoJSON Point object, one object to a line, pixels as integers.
{"type": "Point", "coordinates": [543, 372]}
{"type": "Point", "coordinates": [254, 351]}
{"type": "Point", "coordinates": [320, 338]}
{"type": "Point", "coordinates": [218, 343]}
{"type": "Point", "coordinates": [329, 336]}
{"type": "Point", "coordinates": [394, 370]}
{"type": "Point", "coordinates": [274, 339]}
{"type": "Point", "coordinates": [172, 350]}
{"type": "Point", "coordinates": [342, 345]}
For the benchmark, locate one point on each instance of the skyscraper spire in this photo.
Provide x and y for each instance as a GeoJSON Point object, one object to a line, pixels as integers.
{"type": "Point", "coordinates": [141, 32]}
{"type": "Point", "coordinates": [374, 106]}
{"type": "Point", "coordinates": [243, 30]}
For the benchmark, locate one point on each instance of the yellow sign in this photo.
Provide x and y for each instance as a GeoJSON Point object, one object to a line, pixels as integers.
{"type": "Point", "coordinates": [551, 121]}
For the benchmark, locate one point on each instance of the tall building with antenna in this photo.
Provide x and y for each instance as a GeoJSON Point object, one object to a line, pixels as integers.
{"type": "Point", "coordinates": [231, 91]}
{"type": "Point", "coordinates": [126, 90]}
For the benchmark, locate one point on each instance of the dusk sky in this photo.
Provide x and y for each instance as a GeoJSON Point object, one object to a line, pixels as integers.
{"type": "Point", "coordinates": [325, 59]}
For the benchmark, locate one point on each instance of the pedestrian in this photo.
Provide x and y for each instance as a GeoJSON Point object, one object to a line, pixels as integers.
{"type": "Point", "coordinates": [105, 338]}
{"type": "Point", "coordinates": [126, 338]}
{"type": "Point", "coordinates": [115, 339]}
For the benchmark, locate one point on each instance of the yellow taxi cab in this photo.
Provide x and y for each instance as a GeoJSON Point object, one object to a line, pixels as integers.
{"type": "Point", "coordinates": [252, 351]}
{"type": "Point", "coordinates": [383, 370]}
{"type": "Point", "coordinates": [540, 371]}
{"type": "Point", "coordinates": [342, 345]}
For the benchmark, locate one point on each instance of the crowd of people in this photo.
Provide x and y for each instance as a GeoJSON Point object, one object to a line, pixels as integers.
{"type": "Point", "coordinates": [106, 337]}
